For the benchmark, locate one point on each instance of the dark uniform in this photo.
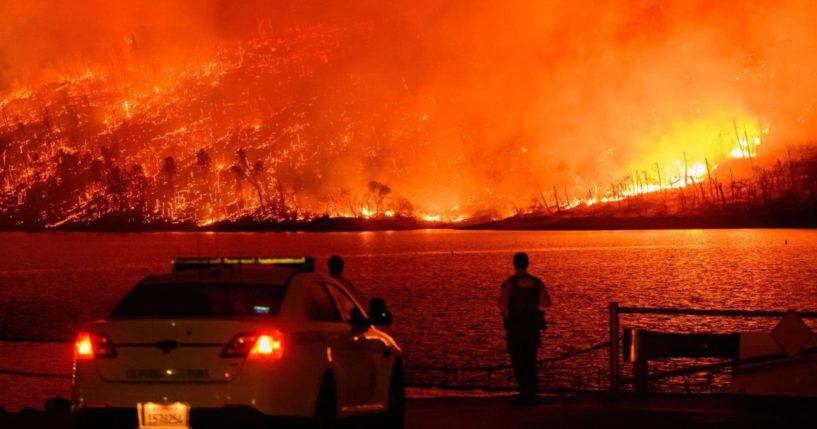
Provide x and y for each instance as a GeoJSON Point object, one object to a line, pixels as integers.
{"type": "Point", "coordinates": [522, 301]}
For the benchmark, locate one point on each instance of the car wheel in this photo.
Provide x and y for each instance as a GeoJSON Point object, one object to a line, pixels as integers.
{"type": "Point", "coordinates": [326, 407]}
{"type": "Point", "coordinates": [395, 415]}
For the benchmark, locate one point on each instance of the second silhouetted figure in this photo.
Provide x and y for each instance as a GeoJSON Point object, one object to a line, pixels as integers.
{"type": "Point", "coordinates": [336, 271]}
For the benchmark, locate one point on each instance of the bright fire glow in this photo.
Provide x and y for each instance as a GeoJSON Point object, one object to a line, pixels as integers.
{"type": "Point", "coordinates": [156, 115]}
{"type": "Point", "coordinates": [704, 143]}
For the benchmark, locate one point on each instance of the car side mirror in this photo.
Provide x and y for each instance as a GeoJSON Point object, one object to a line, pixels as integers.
{"type": "Point", "coordinates": [379, 314]}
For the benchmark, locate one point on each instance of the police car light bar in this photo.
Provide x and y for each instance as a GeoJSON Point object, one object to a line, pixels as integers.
{"type": "Point", "coordinates": [198, 263]}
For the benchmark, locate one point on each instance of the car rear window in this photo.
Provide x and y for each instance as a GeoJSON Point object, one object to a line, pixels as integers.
{"type": "Point", "coordinates": [201, 300]}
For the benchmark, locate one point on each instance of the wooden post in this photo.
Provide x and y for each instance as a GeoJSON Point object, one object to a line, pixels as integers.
{"type": "Point", "coordinates": [640, 365]}
{"type": "Point", "coordinates": [641, 383]}
{"type": "Point", "coordinates": [613, 348]}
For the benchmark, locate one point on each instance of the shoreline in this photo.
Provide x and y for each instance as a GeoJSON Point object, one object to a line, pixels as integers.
{"type": "Point", "coordinates": [516, 223]}
{"type": "Point", "coordinates": [591, 223]}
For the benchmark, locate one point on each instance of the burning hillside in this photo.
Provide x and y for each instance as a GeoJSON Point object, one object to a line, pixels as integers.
{"type": "Point", "coordinates": [199, 113]}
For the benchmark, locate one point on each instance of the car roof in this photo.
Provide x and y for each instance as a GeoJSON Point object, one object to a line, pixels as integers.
{"type": "Point", "coordinates": [272, 276]}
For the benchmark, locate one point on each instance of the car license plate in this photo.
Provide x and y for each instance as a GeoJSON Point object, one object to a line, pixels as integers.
{"type": "Point", "coordinates": [156, 416]}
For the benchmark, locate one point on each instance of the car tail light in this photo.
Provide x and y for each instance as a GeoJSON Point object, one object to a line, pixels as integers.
{"type": "Point", "coordinates": [90, 346]}
{"type": "Point", "coordinates": [265, 345]}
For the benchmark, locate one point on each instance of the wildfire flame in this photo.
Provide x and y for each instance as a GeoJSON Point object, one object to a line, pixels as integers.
{"type": "Point", "coordinates": [361, 111]}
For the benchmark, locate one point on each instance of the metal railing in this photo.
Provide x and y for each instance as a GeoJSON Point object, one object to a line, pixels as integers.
{"type": "Point", "coordinates": [498, 377]}
{"type": "Point", "coordinates": [615, 311]}
{"type": "Point", "coordinates": [33, 340]}
{"type": "Point", "coordinates": [33, 374]}
{"type": "Point", "coordinates": [489, 378]}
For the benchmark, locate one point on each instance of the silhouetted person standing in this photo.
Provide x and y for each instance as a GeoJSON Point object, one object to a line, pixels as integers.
{"type": "Point", "coordinates": [523, 300]}
{"type": "Point", "coordinates": [336, 271]}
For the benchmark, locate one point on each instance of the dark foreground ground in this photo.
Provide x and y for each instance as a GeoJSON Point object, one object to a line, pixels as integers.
{"type": "Point", "coordinates": [600, 412]}
{"type": "Point", "coordinates": [575, 413]}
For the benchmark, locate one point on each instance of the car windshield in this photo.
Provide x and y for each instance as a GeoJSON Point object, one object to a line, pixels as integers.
{"type": "Point", "coordinates": [201, 300]}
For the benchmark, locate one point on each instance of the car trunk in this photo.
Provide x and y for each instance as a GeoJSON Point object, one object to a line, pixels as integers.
{"type": "Point", "coordinates": [186, 350]}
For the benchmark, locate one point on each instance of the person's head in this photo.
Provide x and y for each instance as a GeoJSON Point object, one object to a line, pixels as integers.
{"type": "Point", "coordinates": [335, 266]}
{"type": "Point", "coordinates": [520, 261]}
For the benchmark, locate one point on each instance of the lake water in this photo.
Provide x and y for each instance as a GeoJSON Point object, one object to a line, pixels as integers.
{"type": "Point", "coordinates": [441, 285]}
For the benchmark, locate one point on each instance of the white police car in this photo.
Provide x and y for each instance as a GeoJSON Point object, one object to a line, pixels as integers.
{"type": "Point", "coordinates": [231, 342]}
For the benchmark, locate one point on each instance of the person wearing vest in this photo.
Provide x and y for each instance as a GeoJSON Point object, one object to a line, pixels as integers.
{"type": "Point", "coordinates": [522, 301]}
